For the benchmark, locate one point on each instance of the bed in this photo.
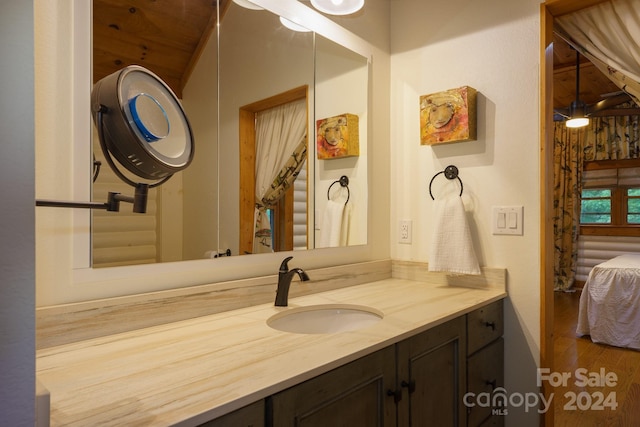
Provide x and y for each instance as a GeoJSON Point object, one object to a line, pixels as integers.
{"type": "Point", "coordinates": [610, 303]}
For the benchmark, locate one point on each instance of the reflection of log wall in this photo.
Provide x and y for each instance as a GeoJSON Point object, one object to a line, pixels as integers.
{"type": "Point", "coordinates": [121, 238]}
{"type": "Point", "coordinates": [300, 210]}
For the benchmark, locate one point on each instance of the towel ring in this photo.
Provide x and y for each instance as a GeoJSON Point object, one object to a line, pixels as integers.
{"type": "Point", "coordinates": [450, 172]}
{"type": "Point", "coordinates": [344, 182]}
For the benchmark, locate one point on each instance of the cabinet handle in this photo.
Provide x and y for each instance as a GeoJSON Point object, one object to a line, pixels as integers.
{"type": "Point", "coordinates": [397, 395]}
{"type": "Point", "coordinates": [492, 383]}
{"type": "Point", "coordinates": [411, 385]}
{"type": "Point", "coordinates": [491, 325]}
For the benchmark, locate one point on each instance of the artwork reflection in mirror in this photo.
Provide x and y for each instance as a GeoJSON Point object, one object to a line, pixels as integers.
{"type": "Point", "coordinates": [342, 86]}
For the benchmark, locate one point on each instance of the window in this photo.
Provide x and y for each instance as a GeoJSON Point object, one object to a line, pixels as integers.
{"type": "Point", "coordinates": [602, 205]}
{"type": "Point", "coordinates": [610, 199]}
{"type": "Point", "coordinates": [595, 207]}
{"type": "Point", "coordinates": [633, 206]}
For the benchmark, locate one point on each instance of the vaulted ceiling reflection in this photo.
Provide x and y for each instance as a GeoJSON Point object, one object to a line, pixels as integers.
{"type": "Point", "coordinates": [165, 36]}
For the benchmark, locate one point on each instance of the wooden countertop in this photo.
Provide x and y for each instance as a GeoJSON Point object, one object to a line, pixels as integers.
{"type": "Point", "coordinates": [187, 372]}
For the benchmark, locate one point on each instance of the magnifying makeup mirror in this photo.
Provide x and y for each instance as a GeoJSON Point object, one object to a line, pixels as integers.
{"type": "Point", "coordinates": [143, 128]}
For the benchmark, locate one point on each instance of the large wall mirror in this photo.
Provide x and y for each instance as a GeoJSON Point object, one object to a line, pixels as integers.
{"type": "Point", "coordinates": [250, 74]}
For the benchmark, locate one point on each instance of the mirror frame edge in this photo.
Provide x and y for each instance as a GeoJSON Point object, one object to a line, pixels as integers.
{"type": "Point", "coordinates": [88, 283]}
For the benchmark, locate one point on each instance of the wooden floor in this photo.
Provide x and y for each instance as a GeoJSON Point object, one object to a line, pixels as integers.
{"type": "Point", "coordinates": [572, 353]}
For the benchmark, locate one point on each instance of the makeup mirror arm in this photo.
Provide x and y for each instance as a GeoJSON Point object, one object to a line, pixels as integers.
{"type": "Point", "coordinates": [139, 201]}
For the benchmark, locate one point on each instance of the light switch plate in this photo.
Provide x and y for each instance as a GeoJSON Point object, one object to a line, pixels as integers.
{"type": "Point", "coordinates": [507, 220]}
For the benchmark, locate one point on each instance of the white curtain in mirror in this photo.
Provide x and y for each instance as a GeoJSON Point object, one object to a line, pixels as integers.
{"type": "Point", "coordinates": [279, 131]}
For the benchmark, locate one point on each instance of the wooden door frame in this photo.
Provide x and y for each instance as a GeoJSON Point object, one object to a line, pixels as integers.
{"type": "Point", "coordinates": [548, 11]}
{"type": "Point", "coordinates": [247, 157]}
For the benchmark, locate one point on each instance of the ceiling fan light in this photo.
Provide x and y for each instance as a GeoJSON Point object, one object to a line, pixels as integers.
{"type": "Point", "coordinates": [577, 115]}
{"type": "Point", "coordinates": [338, 7]}
{"type": "Point", "coordinates": [577, 122]}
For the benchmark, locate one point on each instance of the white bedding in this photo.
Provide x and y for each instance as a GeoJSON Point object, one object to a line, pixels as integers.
{"type": "Point", "coordinates": [610, 303]}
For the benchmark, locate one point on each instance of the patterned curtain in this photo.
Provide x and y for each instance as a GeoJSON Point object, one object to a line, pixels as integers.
{"type": "Point", "coordinates": [287, 175]}
{"type": "Point", "coordinates": [567, 173]}
{"type": "Point", "coordinates": [605, 138]}
{"type": "Point", "coordinates": [612, 138]}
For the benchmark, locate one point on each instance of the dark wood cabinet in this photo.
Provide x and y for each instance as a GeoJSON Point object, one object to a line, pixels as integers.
{"type": "Point", "coordinates": [355, 394]}
{"type": "Point", "coordinates": [431, 372]}
{"type": "Point", "coordinates": [420, 381]}
{"type": "Point", "coordinates": [485, 362]}
{"type": "Point", "coordinates": [252, 415]}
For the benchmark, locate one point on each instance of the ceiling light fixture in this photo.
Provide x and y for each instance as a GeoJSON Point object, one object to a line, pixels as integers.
{"type": "Point", "coordinates": [247, 4]}
{"type": "Point", "coordinates": [293, 26]}
{"type": "Point", "coordinates": [338, 7]}
{"type": "Point", "coordinates": [578, 109]}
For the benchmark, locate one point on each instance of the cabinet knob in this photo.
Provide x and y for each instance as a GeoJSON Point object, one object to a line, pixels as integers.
{"type": "Point", "coordinates": [397, 395]}
{"type": "Point", "coordinates": [492, 383]}
{"type": "Point", "coordinates": [491, 325]}
{"type": "Point", "coordinates": [411, 385]}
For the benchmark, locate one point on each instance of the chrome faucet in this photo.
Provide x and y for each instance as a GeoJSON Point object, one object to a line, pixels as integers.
{"type": "Point", "coordinates": [284, 281]}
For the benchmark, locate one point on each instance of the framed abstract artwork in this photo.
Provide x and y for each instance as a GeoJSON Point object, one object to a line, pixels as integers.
{"type": "Point", "coordinates": [337, 137]}
{"type": "Point", "coordinates": [448, 116]}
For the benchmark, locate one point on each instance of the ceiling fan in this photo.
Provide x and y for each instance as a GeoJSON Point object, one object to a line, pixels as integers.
{"type": "Point", "coordinates": [577, 114]}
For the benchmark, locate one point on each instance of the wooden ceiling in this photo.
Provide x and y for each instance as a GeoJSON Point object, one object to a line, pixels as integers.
{"type": "Point", "coordinates": [165, 36]}
{"type": "Point", "coordinates": [593, 84]}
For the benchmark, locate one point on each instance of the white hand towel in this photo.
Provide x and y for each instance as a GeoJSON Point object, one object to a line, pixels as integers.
{"type": "Point", "coordinates": [331, 227]}
{"type": "Point", "coordinates": [346, 218]}
{"type": "Point", "coordinates": [451, 244]}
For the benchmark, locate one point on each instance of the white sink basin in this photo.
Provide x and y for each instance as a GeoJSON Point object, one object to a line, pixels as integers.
{"type": "Point", "coordinates": [325, 319]}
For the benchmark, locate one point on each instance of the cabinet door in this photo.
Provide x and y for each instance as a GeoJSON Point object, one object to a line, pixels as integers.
{"type": "Point", "coordinates": [485, 373]}
{"type": "Point", "coordinates": [351, 395]}
{"type": "Point", "coordinates": [249, 416]}
{"type": "Point", "coordinates": [432, 375]}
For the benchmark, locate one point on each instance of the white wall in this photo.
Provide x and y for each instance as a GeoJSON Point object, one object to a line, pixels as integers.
{"type": "Point", "coordinates": [494, 48]}
{"type": "Point", "coordinates": [17, 277]}
{"type": "Point", "coordinates": [200, 180]}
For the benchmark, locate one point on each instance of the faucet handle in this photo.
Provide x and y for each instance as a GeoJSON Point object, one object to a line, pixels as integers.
{"type": "Point", "coordinates": [284, 267]}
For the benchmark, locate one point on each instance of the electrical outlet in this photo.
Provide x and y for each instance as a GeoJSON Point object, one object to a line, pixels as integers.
{"type": "Point", "coordinates": [404, 231]}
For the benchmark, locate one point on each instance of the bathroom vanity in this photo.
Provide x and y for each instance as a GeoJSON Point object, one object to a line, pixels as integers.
{"type": "Point", "coordinates": [414, 382]}
{"type": "Point", "coordinates": [435, 342]}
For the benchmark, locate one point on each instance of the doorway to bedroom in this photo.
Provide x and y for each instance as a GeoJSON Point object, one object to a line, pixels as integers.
{"type": "Point", "coordinates": [561, 350]}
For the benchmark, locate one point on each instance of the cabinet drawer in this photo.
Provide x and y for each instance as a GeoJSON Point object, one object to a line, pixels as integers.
{"type": "Point", "coordinates": [485, 373]}
{"type": "Point", "coordinates": [484, 325]}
